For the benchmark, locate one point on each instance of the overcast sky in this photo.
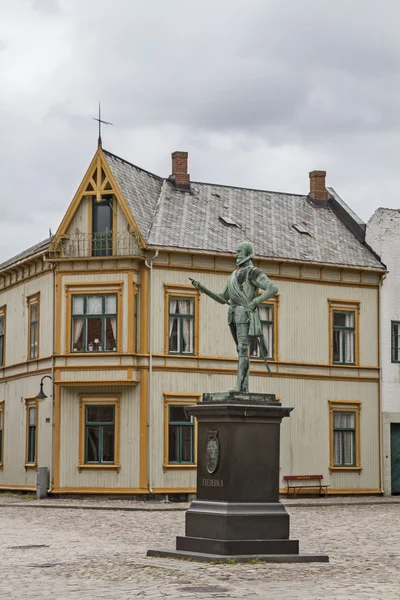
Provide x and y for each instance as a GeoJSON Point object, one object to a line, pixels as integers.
{"type": "Point", "coordinates": [259, 92]}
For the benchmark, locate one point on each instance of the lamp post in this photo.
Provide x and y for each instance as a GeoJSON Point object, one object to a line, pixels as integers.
{"type": "Point", "coordinates": [41, 395]}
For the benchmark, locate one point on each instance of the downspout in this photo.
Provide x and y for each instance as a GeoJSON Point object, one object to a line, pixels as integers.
{"type": "Point", "coordinates": [149, 265]}
{"type": "Point", "coordinates": [52, 379]}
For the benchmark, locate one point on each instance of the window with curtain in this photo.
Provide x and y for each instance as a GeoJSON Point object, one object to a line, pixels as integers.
{"type": "Point", "coordinates": [33, 330]}
{"type": "Point", "coordinates": [344, 438]}
{"type": "Point", "coordinates": [94, 323]}
{"type": "Point", "coordinates": [395, 341]}
{"type": "Point", "coordinates": [181, 325]}
{"type": "Point", "coordinates": [2, 332]}
{"type": "Point", "coordinates": [31, 434]}
{"type": "Point", "coordinates": [266, 312]}
{"type": "Point", "coordinates": [343, 336]}
{"type": "Point", "coordinates": [99, 434]}
{"type": "Point", "coordinates": [180, 436]}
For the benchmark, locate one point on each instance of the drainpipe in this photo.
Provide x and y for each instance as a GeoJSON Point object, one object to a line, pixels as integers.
{"type": "Point", "coordinates": [149, 265]}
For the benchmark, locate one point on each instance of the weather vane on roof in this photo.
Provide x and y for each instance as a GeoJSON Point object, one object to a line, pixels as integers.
{"type": "Point", "coordinates": [99, 119]}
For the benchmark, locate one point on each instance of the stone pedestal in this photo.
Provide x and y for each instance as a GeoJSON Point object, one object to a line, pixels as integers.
{"type": "Point", "coordinates": [237, 514]}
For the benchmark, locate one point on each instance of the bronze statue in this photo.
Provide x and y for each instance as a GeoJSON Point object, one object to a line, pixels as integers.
{"type": "Point", "coordinates": [242, 295]}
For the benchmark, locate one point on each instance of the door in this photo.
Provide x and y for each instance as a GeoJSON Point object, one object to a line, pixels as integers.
{"type": "Point", "coordinates": [102, 228]}
{"type": "Point", "coordinates": [395, 456]}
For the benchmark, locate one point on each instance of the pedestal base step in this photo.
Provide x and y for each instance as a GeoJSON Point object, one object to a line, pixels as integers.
{"type": "Point", "coordinates": [236, 547]}
{"type": "Point", "coordinates": [239, 558]}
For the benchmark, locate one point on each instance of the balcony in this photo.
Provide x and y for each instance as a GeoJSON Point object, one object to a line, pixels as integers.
{"type": "Point", "coordinates": [88, 245]}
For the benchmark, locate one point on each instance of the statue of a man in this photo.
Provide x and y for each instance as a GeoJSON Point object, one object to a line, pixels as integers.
{"type": "Point", "coordinates": [242, 295]}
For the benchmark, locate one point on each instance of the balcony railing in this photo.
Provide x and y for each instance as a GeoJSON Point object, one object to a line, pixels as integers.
{"type": "Point", "coordinates": [86, 245]}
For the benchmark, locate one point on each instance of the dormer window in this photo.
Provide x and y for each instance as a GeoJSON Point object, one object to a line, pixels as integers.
{"type": "Point", "coordinates": [102, 227]}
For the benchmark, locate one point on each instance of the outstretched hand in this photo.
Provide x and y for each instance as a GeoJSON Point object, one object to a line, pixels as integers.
{"type": "Point", "coordinates": [196, 284]}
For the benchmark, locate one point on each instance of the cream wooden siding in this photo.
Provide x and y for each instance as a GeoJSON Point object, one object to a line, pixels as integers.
{"type": "Point", "coordinates": [14, 393]}
{"type": "Point", "coordinates": [94, 278]}
{"type": "Point", "coordinates": [303, 322]}
{"type": "Point", "coordinates": [305, 435]}
{"type": "Point", "coordinates": [80, 221]}
{"type": "Point", "coordinates": [128, 476]}
{"type": "Point", "coordinates": [17, 318]}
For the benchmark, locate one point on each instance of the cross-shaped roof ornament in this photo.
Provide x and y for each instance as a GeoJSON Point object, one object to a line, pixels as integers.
{"type": "Point", "coordinates": [99, 119]}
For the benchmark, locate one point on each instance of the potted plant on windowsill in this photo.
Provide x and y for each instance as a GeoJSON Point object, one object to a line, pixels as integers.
{"type": "Point", "coordinates": [90, 347]}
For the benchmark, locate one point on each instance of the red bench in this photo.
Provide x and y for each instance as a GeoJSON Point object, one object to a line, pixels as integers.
{"type": "Point", "coordinates": [323, 489]}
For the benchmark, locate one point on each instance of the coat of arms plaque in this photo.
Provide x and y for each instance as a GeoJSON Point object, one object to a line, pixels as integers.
{"type": "Point", "coordinates": [212, 451]}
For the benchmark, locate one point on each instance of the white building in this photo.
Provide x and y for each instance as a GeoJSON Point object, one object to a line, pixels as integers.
{"type": "Point", "coordinates": [383, 235]}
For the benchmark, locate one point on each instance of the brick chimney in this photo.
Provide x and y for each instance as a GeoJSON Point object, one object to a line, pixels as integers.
{"type": "Point", "coordinates": [180, 176]}
{"type": "Point", "coordinates": [318, 193]}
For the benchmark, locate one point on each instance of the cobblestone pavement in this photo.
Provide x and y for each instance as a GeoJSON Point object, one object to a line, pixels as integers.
{"type": "Point", "coordinates": [76, 554]}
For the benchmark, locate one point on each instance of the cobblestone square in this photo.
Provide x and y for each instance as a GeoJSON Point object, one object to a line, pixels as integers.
{"type": "Point", "coordinates": [57, 553]}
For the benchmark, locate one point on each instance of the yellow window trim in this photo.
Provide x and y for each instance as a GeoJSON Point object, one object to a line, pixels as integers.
{"type": "Point", "coordinates": [182, 291]}
{"type": "Point", "coordinates": [178, 399]}
{"type": "Point", "coordinates": [2, 437]}
{"type": "Point", "coordinates": [102, 400]}
{"type": "Point", "coordinates": [31, 301]}
{"type": "Point", "coordinates": [350, 306]}
{"type": "Point", "coordinates": [31, 403]}
{"type": "Point", "coordinates": [3, 313]}
{"type": "Point", "coordinates": [87, 289]}
{"type": "Point", "coordinates": [345, 406]}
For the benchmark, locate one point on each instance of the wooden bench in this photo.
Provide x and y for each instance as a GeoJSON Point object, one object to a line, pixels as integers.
{"type": "Point", "coordinates": [323, 489]}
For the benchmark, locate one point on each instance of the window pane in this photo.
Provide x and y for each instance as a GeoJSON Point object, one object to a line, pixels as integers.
{"type": "Point", "coordinates": [349, 346]}
{"type": "Point", "coordinates": [108, 443]}
{"type": "Point", "coordinates": [1, 325]}
{"type": "Point", "coordinates": [1, 446]}
{"type": "Point", "coordinates": [173, 443]}
{"type": "Point", "coordinates": [187, 335]}
{"type": "Point", "coordinates": [33, 312]}
{"type": "Point", "coordinates": [77, 335]}
{"type": "Point", "coordinates": [1, 420]}
{"type": "Point", "coordinates": [34, 351]}
{"type": "Point", "coordinates": [32, 444]}
{"type": "Point", "coordinates": [181, 306]}
{"type": "Point", "coordinates": [337, 346]}
{"type": "Point", "coordinates": [349, 447]}
{"type": "Point", "coordinates": [102, 217]}
{"type": "Point", "coordinates": [337, 447]}
{"type": "Point", "coordinates": [187, 444]}
{"type": "Point", "coordinates": [94, 334]}
{"type": "Point", "coordinates": [173, 334]}
{"type": "Point", "coordinates": [1, 350]}
{"type": "Point", "coordinates": [100, 414]}
{"type": "Point", "coordinates": [94, 305]}
{"type": "Point", "coordinates": [111, 333]}
{"type": "Point", "coordinates": [111, 305]}
{"type": "Point", "coordinates": [92, 443]}
{"type": "Point", "coordinates": [177, 414]}
{"type": "Point", "coordinates": [32, 416]}
{"type": "Point", "coordinates": [77, 305]}
{"type": "Point", "coordinates": [266, 312]}
{"type": "Point", "coordinates": [173, 306]}
{"type": "Point", "coordinates": [254, 351]}
{"type": "Point", "coordinates": [344, 420]}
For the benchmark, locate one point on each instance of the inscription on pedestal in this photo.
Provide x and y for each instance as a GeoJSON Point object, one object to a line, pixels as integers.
{"type": "Point", "coordinates": [212, 482]}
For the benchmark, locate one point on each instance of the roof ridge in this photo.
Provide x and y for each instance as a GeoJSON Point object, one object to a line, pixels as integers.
{"type": "Point", "coordinates": [238, 187]}
{"type": "Point", "coordinates": [132, 165]}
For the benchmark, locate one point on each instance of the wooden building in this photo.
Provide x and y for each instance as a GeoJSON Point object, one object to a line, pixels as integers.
{"type": "Point", "coordinates": [106, 309]}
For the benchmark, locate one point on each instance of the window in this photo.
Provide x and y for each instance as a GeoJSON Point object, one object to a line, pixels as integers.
{"type": "Point", "coordinates": [181, 325]}
{"type": "Point", "coordinates": [395, 341]}
{"type": "Point", "coordinates": [182, 309]}
{"type": "Point", "coordinates": [33, 326]}
{"type": "Point", "coordinates": [2, 335]}
{"type": "Point", "coordinates": [94, 323]}
{"type": "Point", "coordinates": [344, 318]}
{"type": "Point", "coordinates": [267, 314]}
{"type": "Point", "coordinates": [31, 432]}
{"type": "Point", "coordinates": [345, 435]}
{"type": "Point", "coordinates": [180, 432]}
{"type": "Point", "coordinates": [1, 432]}
{"type": "Point", "coordinates": [99, 425]}
{"type": "Point", "coordinates": [102, 227]}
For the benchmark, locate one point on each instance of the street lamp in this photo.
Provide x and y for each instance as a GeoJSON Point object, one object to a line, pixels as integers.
{"type": "Point", "coordinates": [41, 395]}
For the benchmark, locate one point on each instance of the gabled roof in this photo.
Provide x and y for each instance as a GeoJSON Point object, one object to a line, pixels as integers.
{"type": "Point", "coordinates": [194, 220]}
